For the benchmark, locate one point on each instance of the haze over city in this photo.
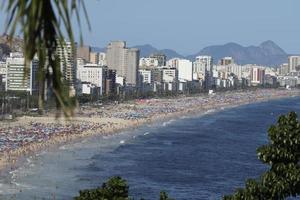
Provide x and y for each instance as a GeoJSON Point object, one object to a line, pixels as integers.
{"type": "Point", "coordinates": [189, 26]}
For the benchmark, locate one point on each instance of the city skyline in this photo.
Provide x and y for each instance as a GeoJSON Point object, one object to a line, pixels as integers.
{"type": "Point", "coordinates": [189, 27]}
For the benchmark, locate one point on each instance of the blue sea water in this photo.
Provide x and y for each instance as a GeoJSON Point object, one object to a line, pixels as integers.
{"type": "Point", "coordinates": [200, 157]}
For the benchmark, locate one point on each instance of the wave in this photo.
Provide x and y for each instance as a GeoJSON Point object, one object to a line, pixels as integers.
{"type": "Point", "coordinates": [168, 122]}
{"type": "Point", "coordinates": [122, 142]}
{"type": "Point", "coordinates": [210, 111]}
{"type": "Point", "coordinates": [146, 133]}
{"type": "Point", "coordinates": [23, 186]}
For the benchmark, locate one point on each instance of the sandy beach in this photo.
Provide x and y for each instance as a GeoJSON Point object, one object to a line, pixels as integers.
{"type": "Point", "coordinates": [28, 135]}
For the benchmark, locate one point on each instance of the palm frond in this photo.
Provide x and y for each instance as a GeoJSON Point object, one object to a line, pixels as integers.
{"type": "Point", "coordinates": [42, 23]}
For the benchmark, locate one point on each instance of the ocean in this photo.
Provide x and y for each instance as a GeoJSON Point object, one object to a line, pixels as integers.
{"type": "Point", "coordinates": [199, 157]}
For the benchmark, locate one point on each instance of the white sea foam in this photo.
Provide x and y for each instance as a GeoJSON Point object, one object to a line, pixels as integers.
{"type": "Point", "coordinates": [210, 111]}
{"type": "Point", "coordinates": [122, 142]}
{"type": "Point", "coordinates": [23, 186]}
{"type": "Point", "coordinates": [147, 133]}
{"type": "Point", "coordinates": [63, 148]}
{"type": "Point", "coordinates": [168, 122]}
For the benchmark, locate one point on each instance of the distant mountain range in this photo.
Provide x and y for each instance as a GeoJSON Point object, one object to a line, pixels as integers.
{"type": "Point", "coordinates": [267, 53]}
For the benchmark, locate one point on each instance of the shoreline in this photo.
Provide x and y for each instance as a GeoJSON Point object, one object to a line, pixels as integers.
{"type": "Point", "coordinates": [11, 160]}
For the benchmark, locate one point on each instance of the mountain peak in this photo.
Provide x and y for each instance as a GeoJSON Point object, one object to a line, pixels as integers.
{"type": "Point", "coordinates": [272, 48]}
{"type": "Point", "coordinates": [268, 43]}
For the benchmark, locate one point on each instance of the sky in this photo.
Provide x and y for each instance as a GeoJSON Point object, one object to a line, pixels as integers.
{"type": "Point", "coordinates": [187, 26]}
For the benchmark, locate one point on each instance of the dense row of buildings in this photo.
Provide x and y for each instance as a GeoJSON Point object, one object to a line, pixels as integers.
{"type": "Point", "coordinates": [120, 70]}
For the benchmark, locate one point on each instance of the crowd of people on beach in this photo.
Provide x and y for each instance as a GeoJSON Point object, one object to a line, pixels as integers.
{"type": "Point", "coordinates": [147, 108]}
{"type": "Point", "coordinates": [14, 137]}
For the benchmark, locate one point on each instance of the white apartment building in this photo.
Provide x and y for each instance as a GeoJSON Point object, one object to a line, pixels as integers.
{"type": "Point", "coordinates": [204, 61]}
{"type": "Point", "coordinates": [18, 76]}
{"type": "Point", "coordinates": [185, 70]}
{"type": "Point", "coordinates": [294, 63]}
{"type": "Point", "coordinates": [169, 75]}
{"type": "Point", "coordinates": [170, 79]}
{"type": "Point", "coordinates": [234, 69]}
{"type": "Point", "coordinates": [93, 74]}
{"type": "Point", "coordinates": [146, 76]}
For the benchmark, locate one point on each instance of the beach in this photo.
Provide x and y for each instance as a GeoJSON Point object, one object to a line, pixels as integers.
{"type": "Point", "coordinates": [28, 135]}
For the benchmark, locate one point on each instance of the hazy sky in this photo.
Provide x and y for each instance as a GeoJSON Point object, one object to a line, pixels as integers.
{"type": "Point", "coordinates": [189, 25]}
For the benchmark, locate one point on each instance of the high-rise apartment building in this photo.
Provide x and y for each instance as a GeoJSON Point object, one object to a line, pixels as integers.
{"type": "Point", "coordinates": [18, 76]}
{"type": "Point", "coordinates": [124, 60]}
{"type": "Point", "coordinates": [94, 58]}
{"type": "Point", "coordinates": [84, 52]}
{"type": "Point", "coordinates": [132, 57]}
{"type": "Point", "coordinates": [284, 69]}
{"type": "Point", "coordinates": [68, 65]}
{"type": "Point", "coordinates": [185, 70]}
{"type": "Point", "coordinates": [110, 81]}
{"type": "Point", "coordinates": [257, 76]}
{"type": "Point", "coordinates": [205, 63]}
{"type": "Point", "coordinates": [294, 63]}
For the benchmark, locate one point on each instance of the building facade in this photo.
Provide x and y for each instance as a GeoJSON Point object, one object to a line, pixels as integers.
{"type": "Point", "coordinates": [18, 76]}
{"type": "Point", "coordinates": [92, 73]}
{"type": "Point", "coordinates": [84, 53]}
{"type": "Point", "coordinates": [68, 65]}
{"type": "Point", "coordinates": [257, 76]}
{"type": "Point", "coordinates": [185, 70]}
{"type": "Point", "coordinates": [94, 58]}
{"type": "Point", "coordinates": [124, 60]}
{"type": "Point", "coordinates": [294, 63]}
